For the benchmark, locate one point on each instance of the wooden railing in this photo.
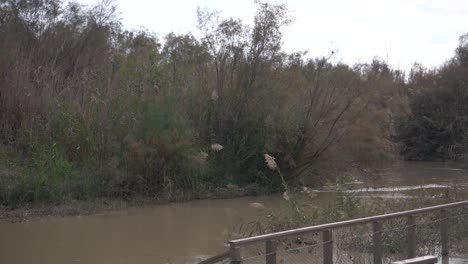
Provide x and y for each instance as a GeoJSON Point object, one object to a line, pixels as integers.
{"type": "Point", "coordinates": [327, 236]}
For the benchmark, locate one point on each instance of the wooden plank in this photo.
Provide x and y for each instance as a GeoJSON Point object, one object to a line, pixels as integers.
{"type": "Point", "coordinates": [419, 260]}
{"type": "Point", "coordinates": [377, 242]}
{"type": "Point", "coordinates": [411, 237]}
{"type": "Point", "coordinates": [327, 239]}
{"type": "Point", "coordinates": [444, 235]}
{"type": "Point", "coordinates": [365, 220]}
{"type": "Point", "coordinates": [270, 250]}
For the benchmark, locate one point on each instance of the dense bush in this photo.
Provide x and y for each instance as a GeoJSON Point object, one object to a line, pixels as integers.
{"type": "Point", "coordinates": [437, 127]}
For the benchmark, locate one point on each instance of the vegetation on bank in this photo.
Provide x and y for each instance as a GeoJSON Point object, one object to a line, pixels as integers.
{"type": "Point", "coordinates": [88, 109]}
{"type": "Point", "coordinates": [437, 128]}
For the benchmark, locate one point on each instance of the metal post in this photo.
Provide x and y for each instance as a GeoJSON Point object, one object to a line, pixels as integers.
{"type": "Point", "coordinates": [411, 237]}
{"type": "Point", "coordinates": [444, 235]}
{"type": "Point", "coordinates": [327, 239]}
{"type": "Point", "coordinates": [377, 242]}
{"type": "Point", "coordinates": [235, 255]}
{"type": "Point", "coordinates": [270, 250]}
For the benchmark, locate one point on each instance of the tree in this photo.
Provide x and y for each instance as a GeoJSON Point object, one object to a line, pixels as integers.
{"type": "Point", "coordinates": [436, 128]}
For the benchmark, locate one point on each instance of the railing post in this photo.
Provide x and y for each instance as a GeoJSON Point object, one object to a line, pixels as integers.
{"type": "Point", "coordinates": [327, 239]}
{"type": "Point", "coordinates": [235, 254]}
{"type": "Point", "coordinates": [270, 251]}
{"type": "Point", "coordinates": [444, 236]}
{"type": "Point", "coordinates": [377, 242]}
{"type": "Point", "coordinates": [411, 236]}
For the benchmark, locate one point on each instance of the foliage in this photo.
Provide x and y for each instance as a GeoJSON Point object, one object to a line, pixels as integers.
{"type": "Point", "coordinates": [127, 115]}
{"type": "Point", "coordinates": [50, 179]}
{"type": "Point", "coordinates": [437, 126]}
{"type": "Point", "coordinates": [160, 156]}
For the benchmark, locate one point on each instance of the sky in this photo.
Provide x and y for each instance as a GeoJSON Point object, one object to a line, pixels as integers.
{"type": "Point", "coordinates": [400, 32]}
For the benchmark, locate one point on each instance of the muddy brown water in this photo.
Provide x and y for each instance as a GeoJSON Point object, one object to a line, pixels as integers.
{"type": "Point", "coordinates": [186, 232]}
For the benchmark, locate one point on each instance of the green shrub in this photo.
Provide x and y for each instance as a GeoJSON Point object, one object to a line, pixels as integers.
{"type": "Point", "coordinates": [52, 178]}
{"type": "Point", "coordinates": [71, 133]}
{"type": "Point", "coordinates": [161, 154]}
{"type": "Point", "coordinates": [44, 181]}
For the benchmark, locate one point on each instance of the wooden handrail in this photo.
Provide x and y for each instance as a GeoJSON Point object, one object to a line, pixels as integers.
{"type": "Point", "coordinates": [420, 260]}
{"type": "Point", "coordinates": [317, 228]}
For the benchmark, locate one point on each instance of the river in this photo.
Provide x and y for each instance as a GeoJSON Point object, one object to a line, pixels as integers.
{"type": "Point", "coordinates": [185, 232]}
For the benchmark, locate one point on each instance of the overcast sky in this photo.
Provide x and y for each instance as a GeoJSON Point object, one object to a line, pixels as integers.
{"type": "Point", "coordinates": [402, 31]}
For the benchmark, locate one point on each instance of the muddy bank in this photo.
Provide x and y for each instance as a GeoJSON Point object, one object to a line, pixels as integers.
{"type": "Point", "coordinates": [27, 212]}
{"type": "Point", "coordinates": [69, 208]}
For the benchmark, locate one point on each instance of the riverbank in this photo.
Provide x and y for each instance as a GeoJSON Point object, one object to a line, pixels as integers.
{"type": "Point", "coordinates": [69, 208]}
{"type": "Point", "coordinates": [398, 181]}
{"type": "Point", "coordinates": [27, 212]}
{"type": "Point", "coordinates": [57, 189]}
